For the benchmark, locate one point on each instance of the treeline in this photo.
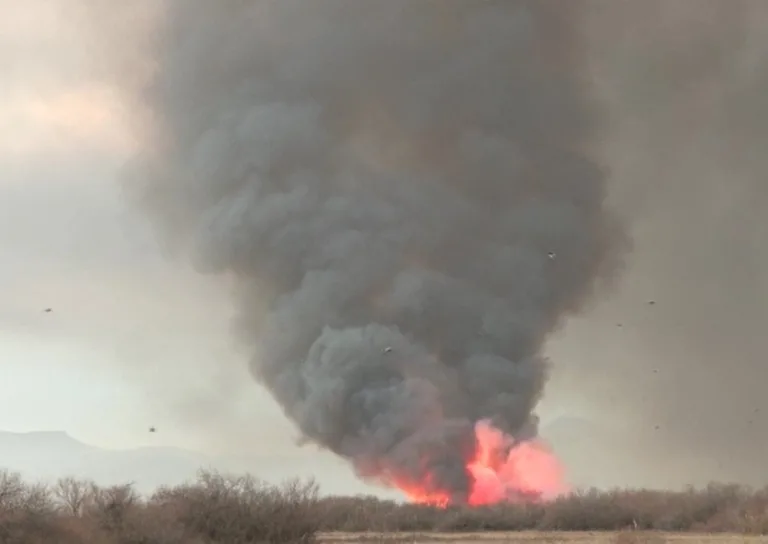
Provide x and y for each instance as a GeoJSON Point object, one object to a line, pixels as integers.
{"type": "Point", "coordinates": [222, 509]}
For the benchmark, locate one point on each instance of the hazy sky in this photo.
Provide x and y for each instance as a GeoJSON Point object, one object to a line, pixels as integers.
{"type": "Point", "coordinates": [130, 342]}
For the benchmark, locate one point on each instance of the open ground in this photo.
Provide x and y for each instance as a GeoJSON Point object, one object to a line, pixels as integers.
{"type": "Point", "coordinates": [543, 537]}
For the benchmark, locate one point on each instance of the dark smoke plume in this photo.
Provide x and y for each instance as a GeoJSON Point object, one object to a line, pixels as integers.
{"type": "Point", "coordinates": [402, 193]}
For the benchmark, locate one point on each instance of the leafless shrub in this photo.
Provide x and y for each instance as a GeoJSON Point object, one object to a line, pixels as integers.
{"type": "Point", "coordinates": [111, 506]}
{"type": "Point", "coordinates": [644, 513]}
{"type": "Point", "coordinates": [236, 509]}
{"type": "Point", "coordinates": [26, 511]}
{"type": "Point", "coordinates": [218, 508]}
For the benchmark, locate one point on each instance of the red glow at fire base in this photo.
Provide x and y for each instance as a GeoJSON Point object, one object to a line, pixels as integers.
{"type": "Point", "coordinates": [503, 472]}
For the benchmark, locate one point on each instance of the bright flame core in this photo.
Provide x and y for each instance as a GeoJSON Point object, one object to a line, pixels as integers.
{"type": "Point", "coordinates": [503, 471]}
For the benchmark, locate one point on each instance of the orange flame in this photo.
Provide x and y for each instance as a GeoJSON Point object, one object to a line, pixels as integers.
{"type": "Point", "coordinates": [502, 471]}
{"type": "Point", "coordinates": [420, 496]}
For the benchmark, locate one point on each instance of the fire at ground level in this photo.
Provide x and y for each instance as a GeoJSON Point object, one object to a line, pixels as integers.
{"type": "Point", "coordinates": [501, 470]}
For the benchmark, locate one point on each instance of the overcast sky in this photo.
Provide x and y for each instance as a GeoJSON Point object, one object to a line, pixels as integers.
{"type": "Point", "coordinates": [132, 340]}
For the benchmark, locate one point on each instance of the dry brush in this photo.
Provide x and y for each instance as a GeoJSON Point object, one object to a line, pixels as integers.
{"type": "Point", "coordinates": [218, 509]}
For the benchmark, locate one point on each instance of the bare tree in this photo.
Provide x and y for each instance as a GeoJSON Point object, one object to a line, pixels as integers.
{"type": "Point", "coordinates": [72, 494]}
{"type": "Point", "coordinates": [12, 490]}
{"type": "Point", "coordinates": [17, 496]}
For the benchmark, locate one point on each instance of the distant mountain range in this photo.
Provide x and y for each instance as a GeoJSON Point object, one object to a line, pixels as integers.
{"type": "Point", "coordinates": [50, 455]}
{"type": "Point", "coordinates": [591, 454]}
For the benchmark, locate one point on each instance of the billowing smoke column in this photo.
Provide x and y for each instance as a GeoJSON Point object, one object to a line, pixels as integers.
{"type": "Point", "coordinates": [400, 191]}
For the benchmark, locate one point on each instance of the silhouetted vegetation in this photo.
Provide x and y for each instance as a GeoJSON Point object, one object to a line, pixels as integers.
{"type": "Point", "coordinates": [218, 509]}
{"type": "Point", "coordinates": [215, 509]}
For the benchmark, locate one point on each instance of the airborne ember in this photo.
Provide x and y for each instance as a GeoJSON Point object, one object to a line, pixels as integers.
{"type": "Point", "coordinates": [388, 183]}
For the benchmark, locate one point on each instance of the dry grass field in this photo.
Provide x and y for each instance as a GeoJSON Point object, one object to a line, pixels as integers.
{"type": "Point", "coordinates": [534, 537]}
{"type": "Point", "coordinates": [219, 509]}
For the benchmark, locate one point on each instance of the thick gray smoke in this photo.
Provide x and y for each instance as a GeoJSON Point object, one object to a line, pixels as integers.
{"type": "Point", "coordinates": [402, 194]}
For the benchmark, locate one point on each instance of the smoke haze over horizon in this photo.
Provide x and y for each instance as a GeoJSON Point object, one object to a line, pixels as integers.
{"type": "Point", "coordinates": [684, 85]}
